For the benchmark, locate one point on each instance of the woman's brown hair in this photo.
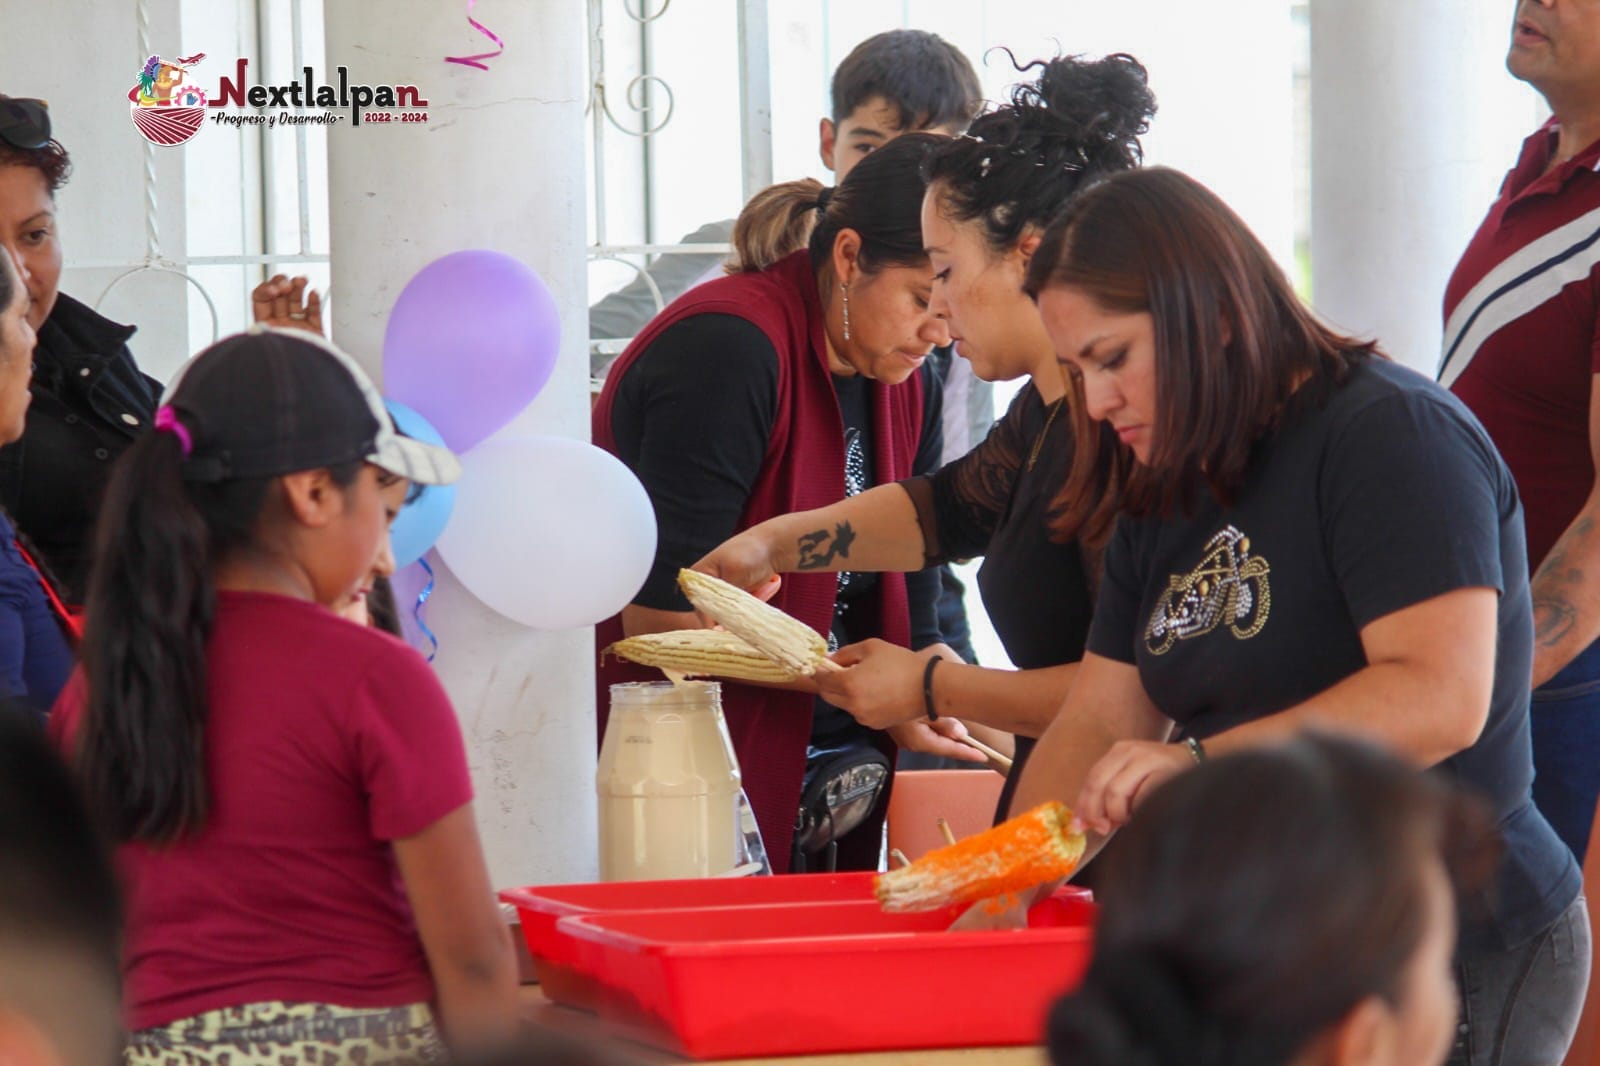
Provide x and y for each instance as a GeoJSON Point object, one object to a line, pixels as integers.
{"type": "Point", "coordinates": [1233, 343]}
{"type": "Point", "coordinates": [776, 222]}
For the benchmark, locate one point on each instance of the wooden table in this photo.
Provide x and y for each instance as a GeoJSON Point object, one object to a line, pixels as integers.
{"type": "Point", "coordinates": [549, 1017]}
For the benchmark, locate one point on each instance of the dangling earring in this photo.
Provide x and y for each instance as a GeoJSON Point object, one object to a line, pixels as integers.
{"type": "Point", "coordinates": [844, 288]}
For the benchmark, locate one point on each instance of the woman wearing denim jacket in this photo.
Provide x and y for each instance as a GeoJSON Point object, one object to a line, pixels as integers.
{"type": "Point", "coordinates": [89, 397]}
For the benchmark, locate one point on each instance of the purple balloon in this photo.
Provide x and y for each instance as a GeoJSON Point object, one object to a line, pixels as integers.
{"type": "Point", "coordinates": [471, 341]}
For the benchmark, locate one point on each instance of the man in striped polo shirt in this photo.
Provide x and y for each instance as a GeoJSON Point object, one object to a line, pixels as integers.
{"type": "Point", "coordinates": [1522, 349]}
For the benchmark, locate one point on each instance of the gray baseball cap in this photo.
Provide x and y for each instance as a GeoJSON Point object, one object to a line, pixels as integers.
{"type": "Point", "coordinates": [272, 401]}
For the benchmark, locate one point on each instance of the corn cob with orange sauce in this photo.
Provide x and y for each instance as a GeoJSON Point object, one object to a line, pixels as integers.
{"type": "Point", "coordinates": [1029, 850]}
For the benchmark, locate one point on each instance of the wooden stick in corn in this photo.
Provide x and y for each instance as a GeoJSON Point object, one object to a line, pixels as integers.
{"type": "Point", "coordinates": [1027, 851]}
{"type": "Point", "coordinates": [701, 653]}
{"type": "Point", "coordinates": [785, 640]}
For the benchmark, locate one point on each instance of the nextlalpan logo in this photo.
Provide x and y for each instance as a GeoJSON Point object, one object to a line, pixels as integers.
{"type": "Point", "coordinates": [169, 109]}
{"type": "Point", "coordinates": [158, 116]}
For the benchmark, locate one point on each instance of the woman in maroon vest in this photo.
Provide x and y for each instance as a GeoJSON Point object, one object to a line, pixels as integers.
{"type": "Point", "coordinates": [785, 386]}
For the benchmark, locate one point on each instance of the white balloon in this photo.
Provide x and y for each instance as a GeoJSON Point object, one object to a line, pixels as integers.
{"type": "Point", "coordinates": [549, 531]}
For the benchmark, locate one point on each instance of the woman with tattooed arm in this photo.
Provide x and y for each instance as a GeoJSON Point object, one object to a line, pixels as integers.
{"type": "Point", "coordinates": [990, 196]}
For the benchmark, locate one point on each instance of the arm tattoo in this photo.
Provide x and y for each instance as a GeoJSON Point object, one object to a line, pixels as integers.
{"type": "Point", "coordinates": [819, 548]}
{"type": "Point", "coordinates": [1554, 616]}
{"type": "Point", "coordinates": [1552, 621]}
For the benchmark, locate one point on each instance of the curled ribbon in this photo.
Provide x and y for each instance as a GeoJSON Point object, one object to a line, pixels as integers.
{"type": "Point", "coordinates": [474, 60]}
{"type": "Point", "coordinates": [422, 601]}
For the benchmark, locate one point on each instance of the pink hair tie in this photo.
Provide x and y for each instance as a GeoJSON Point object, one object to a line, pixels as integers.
{"type": "Point", "coordinates": [167, 422]}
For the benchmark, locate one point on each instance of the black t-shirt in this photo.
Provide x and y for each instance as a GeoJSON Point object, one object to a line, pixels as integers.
{"type": "Point", "coordinates": [995, 501]}
{"type": "Point", "coordinates": [693, 416]}
{"type": "Point", "coordinates": [855, 409]}
{"type": "Point", "coordinates": [829, 724]}
{"type": "Point", "coordinates": [1389, 494]}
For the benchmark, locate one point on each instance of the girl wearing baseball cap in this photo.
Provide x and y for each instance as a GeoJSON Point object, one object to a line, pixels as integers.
{"type": "Point", "coordinates": [288, 791]}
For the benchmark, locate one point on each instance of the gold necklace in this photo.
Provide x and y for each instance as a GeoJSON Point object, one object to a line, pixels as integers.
{"type": "Point", "coordinates": [1038, 442]}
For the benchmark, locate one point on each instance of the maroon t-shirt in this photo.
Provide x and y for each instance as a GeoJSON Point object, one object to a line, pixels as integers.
{"type": "Point", "coordinates": [324, 741]}
{"type": "Point", "coordinates": [1521, 344]}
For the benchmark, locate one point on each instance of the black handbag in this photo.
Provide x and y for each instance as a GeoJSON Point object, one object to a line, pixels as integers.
{"type": "Point", "coordinates": [840, 790]}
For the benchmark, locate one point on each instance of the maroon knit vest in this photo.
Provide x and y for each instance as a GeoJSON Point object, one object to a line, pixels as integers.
{"type": "Point", "coordinates": [803, 468]}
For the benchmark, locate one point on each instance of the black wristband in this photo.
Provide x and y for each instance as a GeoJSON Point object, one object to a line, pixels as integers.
{"type": "Point", "coordinates": [927, 689]}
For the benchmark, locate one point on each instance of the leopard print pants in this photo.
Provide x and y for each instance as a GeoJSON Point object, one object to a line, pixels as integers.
{"type": "Point", "coordinates": [292, 1034]}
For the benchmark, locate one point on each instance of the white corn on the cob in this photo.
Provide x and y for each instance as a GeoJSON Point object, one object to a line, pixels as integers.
{"type": "Point", "coordinates": [701, 653]}
{"type": "Point", "coordinates": [786, 640]}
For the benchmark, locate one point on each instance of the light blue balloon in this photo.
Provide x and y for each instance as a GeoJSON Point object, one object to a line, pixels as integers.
{"type": "Point", "coordinates": [423, 518]}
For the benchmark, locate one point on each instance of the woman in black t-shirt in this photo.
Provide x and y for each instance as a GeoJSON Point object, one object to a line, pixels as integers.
{"type": "Point", "coordinates": [990, 195]}
{"type": "Point", "coordinates": [1311, 537]}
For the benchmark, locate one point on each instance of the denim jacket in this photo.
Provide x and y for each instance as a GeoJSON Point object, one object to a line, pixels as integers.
{"type": "Point", "coordinates": [89, 402]}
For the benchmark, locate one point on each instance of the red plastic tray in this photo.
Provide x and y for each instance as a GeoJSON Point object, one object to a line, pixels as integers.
{"type": "Point", "coordinates": [555, 956]}
{"type": "Point", "coordinates": [814, 979]}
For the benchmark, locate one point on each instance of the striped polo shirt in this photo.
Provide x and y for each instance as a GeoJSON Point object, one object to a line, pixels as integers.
{"type": "Point", "coordinates": [1522, 337]}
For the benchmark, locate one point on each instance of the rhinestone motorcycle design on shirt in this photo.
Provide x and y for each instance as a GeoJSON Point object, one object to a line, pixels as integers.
{"type": "Point", "coordinates": [1230, 585]}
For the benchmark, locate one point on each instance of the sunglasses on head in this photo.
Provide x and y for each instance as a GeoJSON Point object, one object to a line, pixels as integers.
{"type": "Point", "coordinates": [24, 123]}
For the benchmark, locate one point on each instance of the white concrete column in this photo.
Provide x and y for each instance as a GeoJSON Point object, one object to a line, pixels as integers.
{"type": "Point", "coordinates": [499, 164]}
{"type": "Point", "coordinates": [1414, 123]}
{"type": "Point", "coordinates": [50, 51]}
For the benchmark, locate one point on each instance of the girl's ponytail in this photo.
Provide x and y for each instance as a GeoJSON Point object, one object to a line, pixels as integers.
{"type": "Point", "coordinates": [141, 747]}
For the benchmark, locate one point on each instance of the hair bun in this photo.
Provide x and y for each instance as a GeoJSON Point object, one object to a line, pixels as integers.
{"type": "Point", "coordinates": [1132, 1010]}
{"type": "Point", "coordinates": [1090, 1028]}
{"type": "Point", "coordinates": [1075, 122]}
{"type": "Point", "coordinates": [1094, 110]}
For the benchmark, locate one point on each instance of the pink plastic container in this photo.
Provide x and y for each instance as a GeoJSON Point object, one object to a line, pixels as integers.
{"type": "Point", "coordinates": [791, 979]}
